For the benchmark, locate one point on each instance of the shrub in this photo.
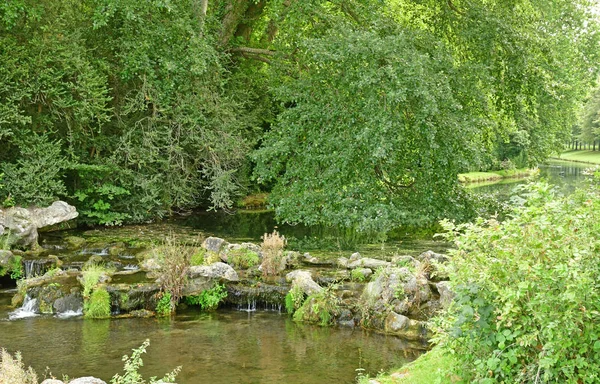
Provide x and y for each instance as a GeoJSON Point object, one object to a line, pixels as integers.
{"type": "Point", "coordinates": [321, 307]}
{"type": "Point", "coordinates": [98, 305]}
{"type": "Point", "coordinates": [174, 260]}
{"type": "Point", "coordinates": [198, 258]}
{"type": "Point", "coordinates": [358, 275]}
{"type": "Point", "coordinates": [163, 307]}
{"type": "Point", "coordinates": [243, 258]}
{"type": "Point", "coordinates": [132, 366]}
{"type": "Point", "coordinates": [294, 299]}
{"type": "Point", "coordinates": [208, 299]}
{"type": "Point", "coordinates": [12, 370]}
{"type": "Point", "coordinates": [527, 302]}
{"type": "Point", "coordinates": [272, 248]}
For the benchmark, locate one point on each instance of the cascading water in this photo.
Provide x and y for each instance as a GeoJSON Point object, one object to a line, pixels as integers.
{"type": "Point", "coordinates": [28, 309]}
{"type": "Point", "coordinates": [34, 268]}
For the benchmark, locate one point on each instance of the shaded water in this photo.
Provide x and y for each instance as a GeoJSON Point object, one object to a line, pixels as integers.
{"type": "Point", "coordinates": [226, 346]}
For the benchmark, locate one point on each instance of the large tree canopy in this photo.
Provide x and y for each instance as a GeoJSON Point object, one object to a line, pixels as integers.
{"type": "Point", "coordinates": [361, 112]}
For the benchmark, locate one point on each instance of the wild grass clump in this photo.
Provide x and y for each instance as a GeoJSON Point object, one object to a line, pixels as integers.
{"type": "Point", "coordinates": [272, 249]}
{"type": "Point", "coordinates": [242, 258]}
{"type": "Point", "coordinates": [174, 260]}
{"type": "Point", "coordinates": [98, 305]}
{"type": "Point", "coordinates": [90, 277]}
{"type": "Point", "coordinates": [12, 370]}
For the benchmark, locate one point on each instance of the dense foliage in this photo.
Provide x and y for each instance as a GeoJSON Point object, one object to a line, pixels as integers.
{"type": "Point", "coordinates": [527, 300]}
{"type": "Point", "coordinates": [353, 113]}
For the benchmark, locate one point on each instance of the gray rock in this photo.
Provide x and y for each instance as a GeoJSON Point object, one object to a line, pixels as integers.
{"type": "Point", "coordinates": [432, 256]}
{"type": "Point", "coordinates": [214, 244]}
{"type": "Point", "coordinates": [342, 262]}
{"type": "Point", "coordinates": [404, 327]}
{"type": "Point", "coordinates": [87, 380]}
{"type": "Point", "coordinates": [355, 256]}
{"type": "Point", "coordinates": [197, 286]}
{"type": "Point", "coordinates": [23, 223]}
{"type": "Point", "coordinates": [446, 294]}
{"type": "Point", "coordinates": [394, 284]}
{"type": "Point", "coordinates": [150, 264]}
{"type": "Point", "coordinates": [214, 271]}
{"type": "Point", "coordinates": [367, 262]}
{"type": "Point", "coordinates": [405, 261]}
{"type": "Point", "coordinates": [303, 280]}
{"type": "Point", "coordinates": [75, 242]}
{"type": "Point", "coordinates": [72, 302]}
{"type": "Point", "coordinates": [5, 257]}
{"type": "Point", "coordinates": [52, 381]}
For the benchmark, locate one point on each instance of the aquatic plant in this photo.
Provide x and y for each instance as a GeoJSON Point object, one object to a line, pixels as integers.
{"type": "Point", "coordinates": [131, 369]}
{"type": "Point", "coordinates": [272, 249]}
{"type": "Point", "coordinates": [98, 305]}
{"type": "Point", "coordinates": [208, 299]}
{"type": "Point", "coordinates": [12, 370]}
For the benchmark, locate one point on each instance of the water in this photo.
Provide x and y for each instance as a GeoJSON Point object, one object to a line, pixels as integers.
{"type": "Point", "coordinates": [28, 309]}
{"type": "Point", "coordinates": [227, 346]}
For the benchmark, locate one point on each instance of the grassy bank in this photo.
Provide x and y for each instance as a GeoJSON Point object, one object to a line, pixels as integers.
{"type": "Point", "coordinates": [590, 157]}
{"type": "Point", "coordinates": [478, 177]}
{"type": "Point", "coordinates": [434, 367]}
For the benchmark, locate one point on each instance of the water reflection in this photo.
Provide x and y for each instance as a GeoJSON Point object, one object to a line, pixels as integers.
{"type": "Point", "coordinates": [222, 347]}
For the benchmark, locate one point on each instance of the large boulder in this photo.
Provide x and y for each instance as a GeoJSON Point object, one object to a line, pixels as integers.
{"type": "Point", "coordinates": [406, 328]}
{"type": "Point", "coordinates": [220, 271]}
{"type": "Point", "coordinates": [214, 244]}
{"type": "Point", "coordinates": [21, 224]}
{"type": "Point", "coordinates": [304, 281]}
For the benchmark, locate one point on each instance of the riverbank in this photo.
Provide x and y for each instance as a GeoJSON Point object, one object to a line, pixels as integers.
{"type": "Point", "coordinates": [478, 177]}
{"type": "Point", "coordinates": [435, 366]}
{"type": "Point", "coordinates": [588, 157]}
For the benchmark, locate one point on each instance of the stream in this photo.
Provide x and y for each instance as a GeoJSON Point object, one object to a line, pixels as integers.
{"type": "Point", "coordinates": [230, 345]}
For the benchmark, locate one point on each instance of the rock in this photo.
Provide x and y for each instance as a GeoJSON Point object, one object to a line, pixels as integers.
{"type": "Point", "coordinates": [303, 280]}
{"type": "Point", "coordinates": [364, 272]}
{"type": "Point", "coordinates": [75, 242]}
{"type": "Point", "coordinates": [404, 327]}
{"type": "Point", "coordinates": [23, 223]}
{"type": "Point", "coordinates": [52, 381]}
{"type": "Point", "coordinates": [71, 302]}
{"type": "Point", "coordinates": [405, 261]}
{"type": "Point", "coordinates": [307, 258]}
{"type": "Point", "coordinates": [132, 297]}
{"type": "Point", "coordinates": [150, 265]}
{"type": "Point", "coordinates": [432, 256]}
{"type": "Point", "coordinates": [197, 286]}
{"type": "Point", "coordinates": [214, 271]}
{"type": "Point", "coordinates": [87, 380]}
{"type": "Point", "coordinates": [214, 244]}
{"type": "Point", "coordinates": [355, 256]}
{"type": "Point", "coordinates": [342, 262]}
{"type": "Point", "coordinates": [5, 257]}
{"type": "Point", "coordinates": [446, 294]}
{"type": "Point", "coordinates": [367, 262]}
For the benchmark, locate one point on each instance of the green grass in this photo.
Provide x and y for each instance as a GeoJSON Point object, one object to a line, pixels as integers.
{"type": "Point", "coordinates": [478, 177]}
{"type": "Point", "coordinates": [592, 157]}
{"type": "Point", "coordinates": [433, 367]}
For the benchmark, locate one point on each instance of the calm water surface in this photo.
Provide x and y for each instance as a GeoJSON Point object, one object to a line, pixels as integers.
{"type": "Point", "coordinates": [226, 346]}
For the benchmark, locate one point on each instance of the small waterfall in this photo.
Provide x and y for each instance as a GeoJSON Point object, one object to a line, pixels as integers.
{"type": "Point", "coordinates": [250, 307]}
{"type": "Point", "coordinates": [34, 268]}
{"type": "Point", "coordinates": [68, 314]}
{"type": "Point", "coordinates": [27, 310]}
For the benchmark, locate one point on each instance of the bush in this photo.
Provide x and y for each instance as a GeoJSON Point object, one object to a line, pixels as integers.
{"type": "Point", "coordinates": [272, 248]}
{"type": "Point", "coordinates": [294, 299]}
{"type": "Point", "coordinates": [527, 302]}
{"type": "Point", "coordinates": [208, 299]}
{"type": "Point", "coordinates": [174, 261]}
{"type": "Point", "coordinates": [12, 370]}
{"type": "Point", "coordinates": [163, 307]}
{"type": "Point", "coordinates": [320, 308]}
{"type": "Point", "coordinates": [98, 305]}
